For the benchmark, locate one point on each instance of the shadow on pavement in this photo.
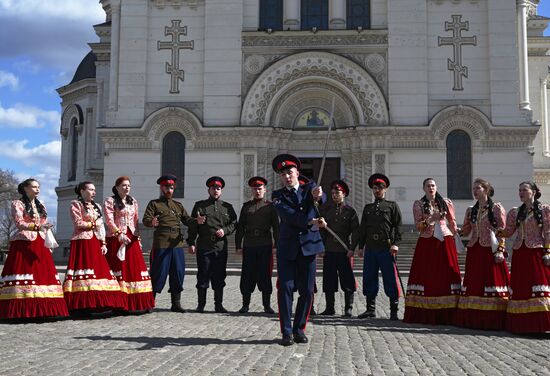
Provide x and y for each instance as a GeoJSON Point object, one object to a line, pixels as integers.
{"type": "Point", "coordinates": [384, 324]}
{"type": "Point", "coordinates": [151, 343]}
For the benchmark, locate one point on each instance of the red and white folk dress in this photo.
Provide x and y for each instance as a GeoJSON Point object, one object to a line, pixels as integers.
{"type": "Point", "coordinates": [89, 283]}
{"type": "Point", "coordinates": [29, 286]}
{"type": "Point", "coordinates": [528, 310]}
{"type": "Point", "coordinates": [434, 280]}
{"type": "Point", "coordinates": [485, 289]}
{"type": "Point", "coordinates": [131, 272]}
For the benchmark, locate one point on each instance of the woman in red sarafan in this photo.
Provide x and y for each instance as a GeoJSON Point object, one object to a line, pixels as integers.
{"type": "Point", "coordinates": [485, 289]}
{"type": "Point", "coordinates": [528, 310]}
{"type": "Point", "coordinates": [89, 283]}
{"type": "Point", "coordinates": [434, 280]}
{"type": "Point", "coordinates": [30, 286]}
{"type": "Point", "coordinates": [124, 247]}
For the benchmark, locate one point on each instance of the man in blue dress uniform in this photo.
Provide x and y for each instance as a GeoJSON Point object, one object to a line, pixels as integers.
{"type": "Point", "coordinates": [299, 243]}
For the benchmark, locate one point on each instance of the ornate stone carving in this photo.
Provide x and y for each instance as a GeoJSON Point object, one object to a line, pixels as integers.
{"type": "Point", "coordinates": [380, 163]}
{"type": "Point", "coordinates": [469, 119]}
{"type": "Point", "coordinates": [321, 39]}
{"type": "Point", "coordinates": [249, 164]}
{"type": "Point", "coordinates": [175, 45]}
{"type": "Point", "coordinates": [193, 4]}
{"type": "Point", "coordinates": [254, 64]}
{"type": "Point", "coordinates": [457, 41]}
{"type": "Point", "coordinates": [314, 67]}
{"type": "Point", "coordinates": [73, 111]}
{"type": "Point", "coordinates": [375, 63]}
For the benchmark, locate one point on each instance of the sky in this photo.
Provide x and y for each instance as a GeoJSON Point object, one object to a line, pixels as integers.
{"type": "Point", "coordinates": [41, 44]}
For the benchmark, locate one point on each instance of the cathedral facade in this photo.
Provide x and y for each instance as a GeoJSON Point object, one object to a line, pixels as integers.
{"type": "Point", "coordinates": [449, 89]}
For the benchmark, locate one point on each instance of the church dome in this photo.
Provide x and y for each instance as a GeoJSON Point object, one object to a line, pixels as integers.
{"type": "Point", "coordinates": [86, 68]}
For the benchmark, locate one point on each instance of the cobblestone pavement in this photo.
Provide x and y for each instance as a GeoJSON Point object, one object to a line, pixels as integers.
{"type": "Point", "coordinates": [166, 343]}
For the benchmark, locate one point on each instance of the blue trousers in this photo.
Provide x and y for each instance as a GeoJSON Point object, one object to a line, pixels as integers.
{"type": "Point", "coordinates": [212, 267]}
{"type": "Point", "coordinates": [379, 259]}
{"type": "Point", "coordinates": [168, 262]}
{"type": "Point", "coordinates": [295, 274]}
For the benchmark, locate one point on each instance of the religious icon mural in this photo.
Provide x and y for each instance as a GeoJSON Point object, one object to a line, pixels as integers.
{"type": "Point", "coordinates": [312, 118]}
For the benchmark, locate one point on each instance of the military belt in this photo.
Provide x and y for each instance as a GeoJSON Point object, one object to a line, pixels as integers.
{"type": "Point", "coordinates": [377, 237]}
{"type": "Point", "coordinates": [168, 229]}
{"type": "Point", "coordinates": [256, 232]}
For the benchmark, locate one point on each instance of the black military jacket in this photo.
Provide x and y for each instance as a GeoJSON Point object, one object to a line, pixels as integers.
{"type": "Point", "coordinates": [380, 225]}
{"type": "Point", "coordinates": [219, 215]}
{"type": "Point", "coordinates": [343, 220]}
{"type": "Point", "coordinates": [257, 219]}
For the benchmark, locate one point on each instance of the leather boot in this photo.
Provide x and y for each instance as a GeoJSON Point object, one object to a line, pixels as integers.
{"type": "Point", "coordinates": [394, 307]}
{"type": "Point", "coordinates": [218, 301]}
{"type": "Point", "coordinates": [348, 305]}
{"type": "Point", "coordinates": [176, 302]}
{"type": "Point", "coordinates": [329, 310]}
{"type": "Point", "coordinates": [246, 303]}
{"type": "Point", "coordinates": [201, 293]}
{"type": "Point", "coordinates": [266, 301]}
{"type": "Point", "coordinates": [371, 308]}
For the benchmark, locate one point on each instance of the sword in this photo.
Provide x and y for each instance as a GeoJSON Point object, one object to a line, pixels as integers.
{"type": "Point", "coordinates": [331, 231]}
{"type": "Point", "coordinates": [322, 169]}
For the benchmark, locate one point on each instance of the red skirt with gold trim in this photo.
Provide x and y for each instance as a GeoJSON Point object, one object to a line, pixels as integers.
{"type": "Point", "coordinates": [434, 282]}
{"type": "Point", "coordinates": [89, 283]}
{"type": "Point", "coordinates": [485, 291]}
{"type": "Point", "coordinates": [132, 274]}
{"type": "Point", "coordinates": [30, 286]}
{"type": "Point", "coordinates": [529, 306]}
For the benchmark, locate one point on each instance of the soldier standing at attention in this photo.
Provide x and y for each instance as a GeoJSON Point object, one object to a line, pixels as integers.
{"type": "Point", "coordinates": [338, 260]}
{"type": "Point", "coordinates": [299, 242]}
{"type": "Point", "coordinates": [380, 233]}
{"type": "Point", "coordinates": [256, 221]}
{"type": "Point", "coordinates": [211, 248]}
{"type": "Point", "coordinates": [165, 215]}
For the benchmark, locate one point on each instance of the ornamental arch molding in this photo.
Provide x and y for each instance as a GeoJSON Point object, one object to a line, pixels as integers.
{"type": "Point", "coordinates": [73, 111]}
{"type": "Point", "coordinates": [466, 118]}
{"type": "Point", "coordinates": [352, 83]}
{"type": "Point", "coordinates": [169, 119]}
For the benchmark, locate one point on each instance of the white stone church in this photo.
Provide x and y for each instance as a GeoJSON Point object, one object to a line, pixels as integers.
{"type": "Point", "coordinates": [451, 89]}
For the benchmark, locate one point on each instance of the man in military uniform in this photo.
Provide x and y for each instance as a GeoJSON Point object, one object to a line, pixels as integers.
{"type": "Point", "coordinates": [211, 248]}
{"type": "Point", "coordinates": [380, 233]}
{"type": "Point", "coordinates": [338, 260]}
{"type": "Point", "coordinates": [258, 217]}
{"type": "Point", "coordinates": [165, 215]}
{"type": "Point", "coordinates": [299, 243]}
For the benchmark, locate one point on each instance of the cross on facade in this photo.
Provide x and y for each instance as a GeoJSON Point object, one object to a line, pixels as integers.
{"type": "Point", "coordinates": [457, 41]}
{"type": "Point", "coordinates": [175, 45]}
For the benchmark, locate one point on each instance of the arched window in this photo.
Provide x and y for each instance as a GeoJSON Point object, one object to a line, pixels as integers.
{"type": "Point", "coordinates": [314, 13]}
{"type": "Point", "coordinates": [173, 159]}
{"type": "Point", "coordinates": [271, 14]}
{"type": "Point", "coordinates": [459, 165]}
{"type": "Point", "coordinates": [73, 161]}
{"type": "Point", "coordinates": [358, 14]}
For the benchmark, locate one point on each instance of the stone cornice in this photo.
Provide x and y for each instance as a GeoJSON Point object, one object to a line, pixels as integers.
{"type": "Point", "coordinates": [71, 92]}
{"type": "Point", "coordinates": [342, 39]}
{"type": "Point", "coordinates": [193, 4]}
{"type": "Point", "coordinates": [101, 50]}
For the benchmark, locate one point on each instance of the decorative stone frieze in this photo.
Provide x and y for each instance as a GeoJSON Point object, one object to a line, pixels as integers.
{"type": "Point", "coordinates": [305, 67]}
{"type": "Point", "coordinates": [161, 4]}
{"type": "Point", "coordinates": [321, 39]}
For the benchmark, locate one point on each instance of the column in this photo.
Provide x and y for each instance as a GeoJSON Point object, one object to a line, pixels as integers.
{"type": "Point", "coordinates": [523, 56]}
{"type": "Point", "coordinates": [115, 40]}
{"type": "Point", "coordinates": [544, 108]}
{"type": "Point", "coordinates": [291, 11]}
{"type": "Point", "coordinates": [337, 14]}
